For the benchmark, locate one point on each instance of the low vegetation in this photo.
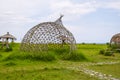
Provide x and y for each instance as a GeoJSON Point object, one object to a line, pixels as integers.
{"type": "Point", "coordinates": [49, 55]}
{"type": "Point", "coordinates": [54, 65]}
{"type": "Point", "coordinates": [108, 69]}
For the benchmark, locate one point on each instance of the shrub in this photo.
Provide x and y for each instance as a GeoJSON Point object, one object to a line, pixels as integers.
{"type": "Point", "coordinates": [10, 64]}
{"type": "Point", "coordinates": [8, 49]}
{"type": "Point", "coordinates": [83, 43]}
{"type": "Point", "coordinates": [101, 51]}
{"type": "Point", "coordinates": [108, 53]}
{"type": "Point", "coordinates": [94, 43]}
{"type": "Point", "coordinates": [117, 50]}
{"type": "Point", "coordinates": [74, 56]}
{"type": "Point", "coordinates": [107, 43]}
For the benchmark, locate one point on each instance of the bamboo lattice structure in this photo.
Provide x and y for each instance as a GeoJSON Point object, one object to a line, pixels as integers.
{"type": "Point", "coordinates": [115, 39]}
{"type": "Point", "coordinates": [48, 35]}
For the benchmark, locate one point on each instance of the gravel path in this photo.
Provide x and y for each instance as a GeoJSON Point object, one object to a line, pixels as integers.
{"type": "Point", "coordinates": [99, 75]}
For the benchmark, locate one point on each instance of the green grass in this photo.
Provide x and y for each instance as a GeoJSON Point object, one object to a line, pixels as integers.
{"type": "Point", "coordinates": [17, 65]}
{"type": "Point", "coordinates": [45, 74]}
{"type": "Point", "coordinates": [91, 52]}
{"type": "Point", "coordinates": [113, 69]}
{"type": "Point", "coordinates": [50, 55]}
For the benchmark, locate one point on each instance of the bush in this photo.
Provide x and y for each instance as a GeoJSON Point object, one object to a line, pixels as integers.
{"type": "Point", "coordinates": [74, 56]}
{"type": "Point", "coordinates": [101, 51]}
{"type": "Point", "coordinates": [8, 49]}
{"type": "Point", "coordinates": [94, 43]}
{"type": "Point", "coordinates": [10, 64]}
{"type": "Point", "coordinates": [83, 43]}
{"type": "Point", "coordinates": [108, 53]}
{"type": "Point", "coordinates": [107, 43]}
{"type": "Point", "coordinates": [117, 50]}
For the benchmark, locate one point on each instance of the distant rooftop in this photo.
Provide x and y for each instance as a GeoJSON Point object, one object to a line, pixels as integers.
{"type": "Point", "coordinates": [9, 36]}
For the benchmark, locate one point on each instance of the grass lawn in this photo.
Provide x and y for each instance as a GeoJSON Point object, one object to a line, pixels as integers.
{"type": "Point", "coordinates": [45, 74]}
{"type": "Point", "coordinates": [15, 65]}
{"type": "Point", "coordinates": [113, 69]}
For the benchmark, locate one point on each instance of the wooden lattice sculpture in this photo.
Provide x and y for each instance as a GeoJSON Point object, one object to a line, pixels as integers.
{"type": "Point", "coordinates": [115, 40]}
{"type": "Point", "coordinates": [47, 36]}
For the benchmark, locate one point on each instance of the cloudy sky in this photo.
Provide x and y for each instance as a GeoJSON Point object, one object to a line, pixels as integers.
{"type": "Point", "coordinates": [90, 21]}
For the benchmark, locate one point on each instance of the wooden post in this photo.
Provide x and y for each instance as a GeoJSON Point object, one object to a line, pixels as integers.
{"type": "Point", "coordinates": [7, 43]}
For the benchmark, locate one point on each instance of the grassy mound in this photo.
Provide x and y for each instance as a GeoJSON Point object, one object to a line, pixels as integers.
{"type": "Point", "coordinates": [46, 56]}
{"type": "Point", "coordinates": [50, 55]}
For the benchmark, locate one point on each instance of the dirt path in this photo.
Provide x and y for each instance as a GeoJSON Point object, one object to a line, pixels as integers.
{"type": "Point", "coordinates": [99, 75]}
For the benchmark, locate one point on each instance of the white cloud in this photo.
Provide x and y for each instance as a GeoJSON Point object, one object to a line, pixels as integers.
{"type": "Point", "coordinates": [23, 10]}
{"type": "Point", "coordinates": [18, 16]}
{"type": "Point", "coordinates": [12, 17]}
{"type": "Point", "coordinates": [73, 8]}
{"type": "Point", "coordinates": [70, 9]}
{"type": "Point", "coordinates": [113, 5]}
{"type": "Point", "coordinates": [74, 11]}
